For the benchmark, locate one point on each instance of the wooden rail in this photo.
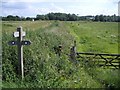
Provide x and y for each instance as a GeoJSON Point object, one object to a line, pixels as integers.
{"type": "Point", "coordinates": [107, 59]}
{"type": "Point", "coordinates": [103, 54]}
{"type": "Point", "coordinates": [104, 59]}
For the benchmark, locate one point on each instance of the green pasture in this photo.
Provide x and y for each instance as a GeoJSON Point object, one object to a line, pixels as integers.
{"type": "Point", "coordinates": [44, 68]}
{"type": "Point", "coordinates": [99, 37]}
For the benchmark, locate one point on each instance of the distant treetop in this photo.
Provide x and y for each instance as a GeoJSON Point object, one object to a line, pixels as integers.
{"type": "Point", "coordinates": [65, 17]}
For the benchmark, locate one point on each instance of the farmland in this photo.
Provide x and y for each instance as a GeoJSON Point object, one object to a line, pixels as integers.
{"type": "Point", "coordinates": [44, 68]}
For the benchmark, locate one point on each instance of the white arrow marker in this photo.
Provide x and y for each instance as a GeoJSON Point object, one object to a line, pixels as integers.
{"type": "Point", "coordinates": [16, 34]}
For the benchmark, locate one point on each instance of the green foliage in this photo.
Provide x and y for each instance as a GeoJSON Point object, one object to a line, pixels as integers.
{"type": "Point", "coordinates": [43, 68]}
{"type": "Point", "coordinates": [65, 17]}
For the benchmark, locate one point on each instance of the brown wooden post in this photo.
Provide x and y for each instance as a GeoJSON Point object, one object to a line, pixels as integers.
{"type": "Point", "coordinates": [73, 52]}
{"type": "Point", "coordinates": [20, 53]}
{"type": "Point", "coordinates": [20, 34]}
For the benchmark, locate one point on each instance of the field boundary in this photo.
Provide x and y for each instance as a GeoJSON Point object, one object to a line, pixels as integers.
{"type": "Point", "coordinates": [101, 59]}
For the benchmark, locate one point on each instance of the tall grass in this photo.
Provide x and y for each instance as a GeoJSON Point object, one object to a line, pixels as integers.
{"type": "Point", "coordinates": [43, 67]}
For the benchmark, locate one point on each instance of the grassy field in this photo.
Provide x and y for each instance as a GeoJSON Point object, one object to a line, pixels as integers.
{"type": "Point", "coordinates": [44, 68]}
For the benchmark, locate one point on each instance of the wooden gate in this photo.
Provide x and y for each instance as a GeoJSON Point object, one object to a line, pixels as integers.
{"type": "Point", "coordinates": [100, 59]}
{"type": "Point", "coordinates": [110, 60]}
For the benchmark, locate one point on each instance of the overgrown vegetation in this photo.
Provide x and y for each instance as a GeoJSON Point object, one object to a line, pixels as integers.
{"type": "Point", "coordinates": [44, 68]}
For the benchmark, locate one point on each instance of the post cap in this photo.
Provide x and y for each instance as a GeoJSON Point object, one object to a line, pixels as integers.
{"type": "Point", "coordinates": [19, 28]}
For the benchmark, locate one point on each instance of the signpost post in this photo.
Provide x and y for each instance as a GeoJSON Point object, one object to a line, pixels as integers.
{"type": "Point", "coordinates": [20, 34]}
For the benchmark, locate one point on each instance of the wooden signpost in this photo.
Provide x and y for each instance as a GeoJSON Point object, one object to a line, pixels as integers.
{"type": "Point", "coordinates": [20, 34]}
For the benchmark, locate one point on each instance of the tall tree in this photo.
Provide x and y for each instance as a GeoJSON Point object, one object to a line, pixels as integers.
{"type": "Point", "coordinates": [97, 18]}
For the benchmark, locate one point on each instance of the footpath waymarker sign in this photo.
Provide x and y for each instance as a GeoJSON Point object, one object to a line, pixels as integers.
{"type": "Point", "coordinates": [12, 42]}
{"type": "Point", "coordinates": [25, 42]}
{"type": "Point", "coordinates": [20, 34]}
{"type": "Point", "coordinates": [16, 34]}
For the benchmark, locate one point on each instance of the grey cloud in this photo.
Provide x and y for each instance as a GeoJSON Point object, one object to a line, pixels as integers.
{"type": "Point", "coordinates": [14, 5]}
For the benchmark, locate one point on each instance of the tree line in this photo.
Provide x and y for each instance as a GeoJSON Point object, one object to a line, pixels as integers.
{"type": "Point", "coordinates": [64, 17]}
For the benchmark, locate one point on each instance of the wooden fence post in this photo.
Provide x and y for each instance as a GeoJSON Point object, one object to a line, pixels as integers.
{"type": "Point", "coordinates": [20, 52]}
{"type": "Point", "coordinates": [20, 34]}
{"type": "Point", "coordinates": [73, 52]}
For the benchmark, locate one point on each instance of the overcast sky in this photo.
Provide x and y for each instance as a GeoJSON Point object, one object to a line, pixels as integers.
{"type": "Point", "coordinates": [81, 7]}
